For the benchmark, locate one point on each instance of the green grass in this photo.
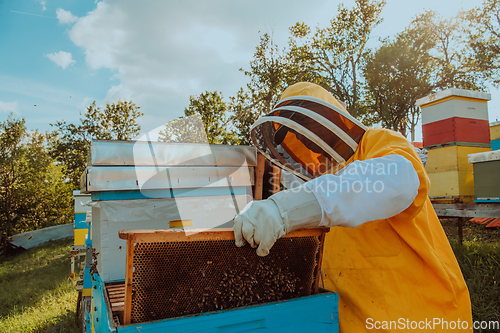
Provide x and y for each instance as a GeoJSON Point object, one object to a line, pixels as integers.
{"type": "Point", "coordinates": [479, 260]}
{"type": "Point", "coordinates": [472, 232]}
{"type": "Point", "coordinates": [480, 265]}
{"type": "Point", "coordinates": [35, 291]}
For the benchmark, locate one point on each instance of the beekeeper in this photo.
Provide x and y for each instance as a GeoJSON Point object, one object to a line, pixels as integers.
{"type": "Point", "coordinates": [386, 254]}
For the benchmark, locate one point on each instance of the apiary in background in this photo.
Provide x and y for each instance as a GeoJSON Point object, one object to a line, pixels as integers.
{"type": "Point", "coordinates": [454, 125]}
{"type": "Point", "coordinates": [486, 176]}
{"type": "Point", "coordinates": [495, 135]}
{"type": "Point", "coordinates": [157, 185]}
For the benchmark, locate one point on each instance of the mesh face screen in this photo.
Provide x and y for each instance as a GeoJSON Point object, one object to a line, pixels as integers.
{"type": "Point", "coordinates": [173, 279]}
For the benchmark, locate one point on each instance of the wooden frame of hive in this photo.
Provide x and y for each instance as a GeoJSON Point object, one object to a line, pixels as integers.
{"type": "Point", "coordinates": [135, 237]}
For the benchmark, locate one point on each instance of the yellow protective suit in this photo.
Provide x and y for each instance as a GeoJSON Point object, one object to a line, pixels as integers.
{"type": "Point", "coordinates": [398, 271]}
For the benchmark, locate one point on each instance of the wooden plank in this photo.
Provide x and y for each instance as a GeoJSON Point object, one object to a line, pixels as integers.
{"type": "Point", "coordinates": [127, 313]}
{"type": "Point", "coordinates": [276, 179]}
{"type": "Point", "coordinates": [118, 302]}
{"type": "Point", "coordinates": [114, 297]}
{"type": "Point", "coordinates": [119, 309]}
{"type": "Point", "coordinates": [319, 273]}
{"type": "Point", "coordinates": [168, 235]}
{"type": "Point", "coordinates": [259, 176]}
{"type": "Point", "coordinates": [467, 210]}
{"type": "Point", "coordinates": [116, 293]}
{"type": "Point", "coordinates": [115, 286]}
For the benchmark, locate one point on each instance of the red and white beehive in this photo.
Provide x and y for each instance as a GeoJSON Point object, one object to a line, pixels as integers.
{"type": "Point", "coordinates": [454, 124]}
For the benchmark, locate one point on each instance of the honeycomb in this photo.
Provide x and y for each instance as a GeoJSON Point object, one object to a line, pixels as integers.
{"type": "Point", "coordinates": [179, 278]}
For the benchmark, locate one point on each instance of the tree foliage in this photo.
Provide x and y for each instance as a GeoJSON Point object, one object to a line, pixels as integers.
{"type": "Point", "coordinates": [431, 54]}
{"type": "Point", "coordinates": [33, 193]}
{"type": "Point", "coordinates": [270, 72]}
{"type": "Point", "coordinates": [483, 36]}
{"type": "Point", "coordinates": [333, 56]}
{"type": "Point", "coordinates": [114, 122]}
{"type": "Point", "coordinates": [379, 86]}
{"type": "Point", "coordinates": [396, 75]}
{"type": "Point", "coordinates": [206, 120]}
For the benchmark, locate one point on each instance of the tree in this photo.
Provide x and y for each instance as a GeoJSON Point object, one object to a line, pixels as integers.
{"type": "Point", "coordinates": [71, 143]}
{"type": "Point", "coordinates": [13, 168]}
{"type": "Point", "coordinates": [396, 75]}
{"type": "Point", "coordinates": [270, 74]}
{"type": "Point", "coordinates": [33, 193]}
{"type": "Point", "coordinates": [333, 56]}
{"type": "Point", "coordinates": [205, 120]}
{"type": "Point", "coordinates": [450, 52]}
{"type": "Point", "coordinates": [431, 54]}
{"type": "Point", "coordinates": [483, 34]}
{"type": "Point", "coordinates": [243, 115]}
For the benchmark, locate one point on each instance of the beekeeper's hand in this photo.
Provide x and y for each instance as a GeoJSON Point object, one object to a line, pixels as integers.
{"type": "Point", "coordinates": [259, 224]}
{"type": "Point", "coordinates": [263, 222]}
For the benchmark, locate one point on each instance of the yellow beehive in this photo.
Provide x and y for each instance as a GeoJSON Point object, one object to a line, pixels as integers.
{"type": "Point", "coordinates": [451, 174]}
{"type": "Point", "coordinates": [495, 135]}
{"type": "Point", "coordinates": [495, 130]}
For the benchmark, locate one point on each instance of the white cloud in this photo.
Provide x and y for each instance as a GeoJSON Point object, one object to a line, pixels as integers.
{"type": "Point", "coordinates": [65, 17]}
{"type": "Point", "coordinates": [43, 3]}
{"type": "Point", "coordinates": [162, 51]}
{"type": "Point", "coordinates": [8, 107]}
{"type": "Point", "coordinates": [61, 58]}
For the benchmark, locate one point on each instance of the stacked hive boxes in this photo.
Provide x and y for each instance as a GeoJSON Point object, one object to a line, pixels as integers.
{"type": "Point", "coordinates": [158, 185]}
{"type": "Point", "coordinates": [454, 125]}
{"type": "Point", "coordinates": [81, 227]}
{"type": "Point", "coordinates": [495, 135]}
{"type": "Point", "coordinates": [486, 176]}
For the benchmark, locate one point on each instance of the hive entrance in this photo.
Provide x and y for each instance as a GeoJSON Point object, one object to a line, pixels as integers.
{"type": "Point", "coordinates": [192, 276]}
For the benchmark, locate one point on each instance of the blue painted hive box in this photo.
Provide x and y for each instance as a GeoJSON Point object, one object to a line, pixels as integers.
{"type": "Point", "coordinates": [201, 281]}
{"type": "Point", "coordinates": [315, 313]}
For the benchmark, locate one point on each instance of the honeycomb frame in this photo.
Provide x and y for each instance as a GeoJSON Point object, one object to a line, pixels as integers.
{"type": "Point", "coordinates": [171, 274]}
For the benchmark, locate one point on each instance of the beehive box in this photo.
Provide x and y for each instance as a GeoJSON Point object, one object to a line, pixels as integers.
{"type": "Point", "coordinates": [495, 135]}
{"type": "Point", "coordinates": [486, 176]}
{"type": "Point", "coordinates": [456, 130]}
{"type": "Point", "coordinates": [80, 208]}
{"type": "Point", "coordinates": [315, 313]}
{"type": "Point", "coordinates": [173, 274]}
{"type": "Point", "coordinates": [158, 185]}
{"type": "Point", "coordinates": [455, 116]}
{"type": "Point", "coordinates": [451, 174]}
{"type": "Point", "coordinates": [111, 216]}
{"type": "Point", "coordinates": [454, 103]}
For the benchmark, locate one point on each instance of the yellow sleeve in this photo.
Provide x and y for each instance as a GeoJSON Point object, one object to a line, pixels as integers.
{"type": "Point", "coordinates": [379, 142]}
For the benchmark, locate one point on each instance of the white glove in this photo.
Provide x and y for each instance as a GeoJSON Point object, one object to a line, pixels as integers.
{"type": "Point", "coordinates": [263, 222]}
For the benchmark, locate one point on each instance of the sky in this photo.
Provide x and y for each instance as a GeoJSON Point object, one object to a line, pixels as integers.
{"type": "Point", "coordinates": [57, 56]}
